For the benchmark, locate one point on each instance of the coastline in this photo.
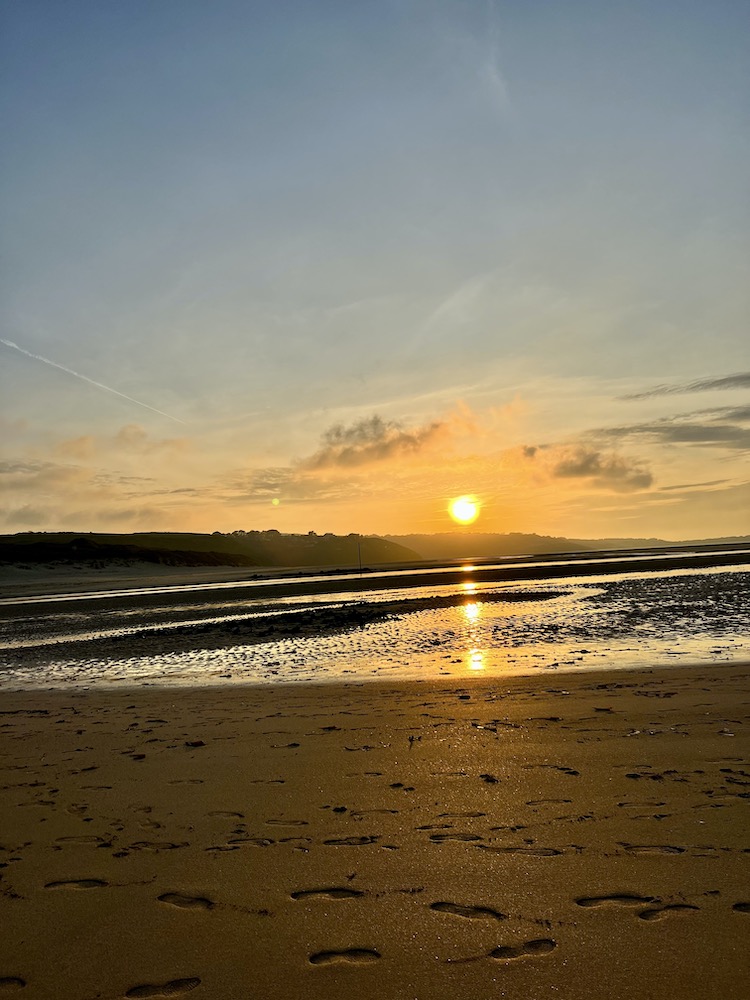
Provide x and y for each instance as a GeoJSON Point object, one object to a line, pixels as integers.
{"type": "Point", "coordinates": [39, 581]}
{"type": "Point", "coordinates": [575, 835]}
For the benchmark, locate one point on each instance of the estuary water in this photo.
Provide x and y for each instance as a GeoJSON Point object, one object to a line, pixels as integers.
{"type": "Point", "coordinates": [467, 627]}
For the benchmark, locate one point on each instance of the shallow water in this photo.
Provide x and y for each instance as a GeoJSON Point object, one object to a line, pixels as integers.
{"type": "Point", "coordinates": [606, 622]}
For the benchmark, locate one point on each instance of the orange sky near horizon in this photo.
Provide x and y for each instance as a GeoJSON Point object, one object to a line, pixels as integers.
{"type": "Point", "coordinates": [360, 259]}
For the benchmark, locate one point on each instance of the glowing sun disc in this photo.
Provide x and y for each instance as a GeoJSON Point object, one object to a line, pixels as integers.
{"type": "Point", "coordinates": [464, 510]}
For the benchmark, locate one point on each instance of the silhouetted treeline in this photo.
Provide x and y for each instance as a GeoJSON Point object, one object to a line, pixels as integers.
{"type": "Point", "coordinates": [240, 548]}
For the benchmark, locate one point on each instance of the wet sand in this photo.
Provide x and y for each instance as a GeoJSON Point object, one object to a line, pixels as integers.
{"type": "Point", "coordinates": [27, 581]}
{"type": "Point", "coordinates": [575, 836]}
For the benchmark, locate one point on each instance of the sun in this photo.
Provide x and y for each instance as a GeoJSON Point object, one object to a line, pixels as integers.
{"type": "Point", "coordinates": [464, 510]}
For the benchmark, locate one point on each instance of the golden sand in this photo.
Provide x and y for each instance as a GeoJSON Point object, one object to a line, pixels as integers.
{"type": "Point", "coordinates": [575, 836]}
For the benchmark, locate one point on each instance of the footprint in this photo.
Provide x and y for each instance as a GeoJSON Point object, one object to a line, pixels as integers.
{"type": "Point", "coordinates": [250, 841]}
{"type": "Point", "coordinates": [440, 838]}
{"type": "Point", "coordinates": [155, 845]}
{"type": "Point", "coordinates": [186, 902]}
{"type": "Point", "coordinates": [471, 912]}
{"type": "Point", "coordinates": [358, 813]}
{"type": "Point", "coordinates": [548, 802]}
{"type": "Point", "coordinates": [354, 956]}
{"type": "Point", "coordinates": [534, 852]}
{"type": "Point", "coordinates": [226, 814]}
{"type": "Point", "coordinates": [174, 988]}
{"type": "Point", "coordinates": [541, 946]}
{"type": "Point", "coordinates": [286, 822]}
{"type": "Point", "coordinates": [741, 907]}
{"type": "Point", "coordinates": [652, 848]}
{"type": "Point", "coordinates": [79, 883]}
{"type": "Point", "coordinates": [79, 840]}
{"type": "Point", "coordinates": [333, 893]}
{"type": "Point", "coordinates": [8, 983]}
{"type": "Point", "coordinates": [461, 815]}
{"type": "Point", "coordinates": [623, 899]}
{"type": "Point", "coordinates": [351, 841]}
{"type": "Point", "coordinates": [571, 771]}
{"type": "Point", "coordinates": [662, 911]}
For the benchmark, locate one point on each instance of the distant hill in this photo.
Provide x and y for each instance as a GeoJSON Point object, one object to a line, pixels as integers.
{"type": "Point", "coordinates": [273, 549]}
{"type": "Point", "coordinates": [475, 545]}
{"type": "Point", "coordinates": [252, 548]}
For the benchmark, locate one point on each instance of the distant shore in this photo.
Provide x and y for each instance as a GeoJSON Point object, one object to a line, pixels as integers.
{"type": "Point", "coordinates": [18, 580]}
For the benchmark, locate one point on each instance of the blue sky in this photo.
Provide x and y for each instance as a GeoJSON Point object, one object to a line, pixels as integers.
{"type": "Point", "coordinates": [490, 225]}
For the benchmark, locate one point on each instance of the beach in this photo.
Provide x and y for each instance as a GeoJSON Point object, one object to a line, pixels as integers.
{"type": "Point", "coordinates": [573, 835]}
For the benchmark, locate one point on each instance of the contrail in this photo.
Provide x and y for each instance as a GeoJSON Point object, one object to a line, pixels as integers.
{"type": "Point", "coordinates": [85, 378]}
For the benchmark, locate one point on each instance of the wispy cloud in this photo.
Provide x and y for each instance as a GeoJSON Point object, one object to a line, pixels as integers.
{"type": "Point", "coordinates": [261, 486]}
{"type": "Point", "coordinates": [85, 378]}
{"type": "Point", "coordinates": [675, 431]}
{"type": "Point", "coordinates": [490, 69]}
{"type": "Point", "coordinates": [685, 487]}
{"type": "Point", "coordinates": [739, 380]}
{"type": "Point", "coordinates": [458, 307]}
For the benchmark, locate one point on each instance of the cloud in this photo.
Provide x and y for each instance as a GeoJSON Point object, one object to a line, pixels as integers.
{"type": "Point", "coordinates": [704, 486]}
{"type": "Point", "coordinates": [490, 68]}
{"type": "Point", "coordinates": [43, 477]}
{"type": "Point", "coordinates": [370, 440]}
{"type": "Point", "coordinates": [261, 486]}
{"type": "Point", "coordinates": [27, 515]}
{"type": "Point", "coordinates": [458, 308]}
{"type": "Point", "coordinates": [678, 431]}
{"type": "Point", "coordinates": [133, 437]}
{"type": "Point", "coordinates": [718, 427]}
{"type": "Point", "coordinates": [14, 467]}
{"type": "Point", "coordinates": [83, 448]}
{"type": "Point", "coordinates": [739, 380]}
{"type": "Point", "coordinates": [739, 413]}
{"type": "Point", "coordinates": [602, 470]}
{"type": "Point", "coordinates": [613, 471]}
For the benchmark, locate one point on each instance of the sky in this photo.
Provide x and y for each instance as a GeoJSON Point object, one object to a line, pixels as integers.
{"type": "Point", "coordinates": [323, 266]}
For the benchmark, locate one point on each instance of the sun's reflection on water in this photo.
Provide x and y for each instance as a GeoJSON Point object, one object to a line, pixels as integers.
{"type": "Point", "coordinates": [475, 656]}
{"type": "Point", "coordinates": [475, 659]}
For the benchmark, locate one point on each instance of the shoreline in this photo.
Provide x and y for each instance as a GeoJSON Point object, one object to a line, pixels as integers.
{"type": "Point", "coordinates": [327, 683]}
{"type": "Point", "coordinates": [35, 582]}
{"type": "Point", "coordinates": [581, 835]}
{"type": "Point", "coordinates": [595, 677]}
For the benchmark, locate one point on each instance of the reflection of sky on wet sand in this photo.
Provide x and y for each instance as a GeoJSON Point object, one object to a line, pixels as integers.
{"type": "Point", "coordinates": [610, 623]}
